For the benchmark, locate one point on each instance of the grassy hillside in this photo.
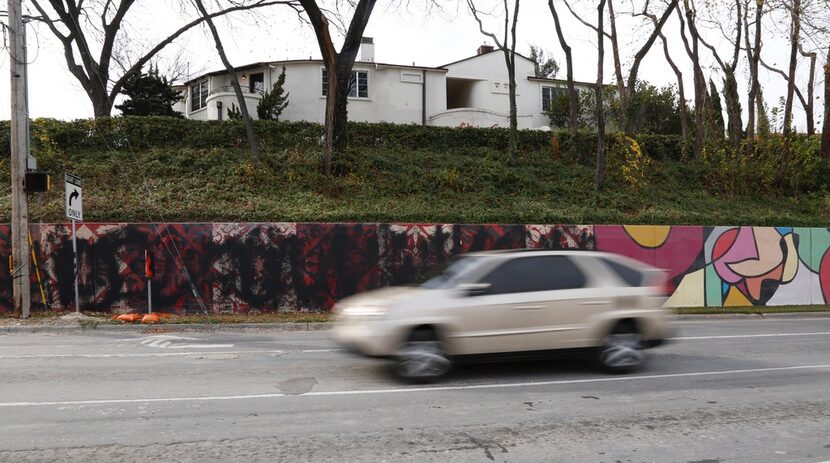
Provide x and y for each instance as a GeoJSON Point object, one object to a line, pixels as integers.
{"type": "Point", "coordinates": [391, 183]}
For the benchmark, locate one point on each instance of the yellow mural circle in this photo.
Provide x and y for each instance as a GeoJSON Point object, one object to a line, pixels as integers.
{"type": "Point", "coordinates": [648, 236]}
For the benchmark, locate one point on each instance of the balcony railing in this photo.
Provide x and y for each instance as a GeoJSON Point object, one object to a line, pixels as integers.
{"type": "Point", "coordinates": [229, 89]}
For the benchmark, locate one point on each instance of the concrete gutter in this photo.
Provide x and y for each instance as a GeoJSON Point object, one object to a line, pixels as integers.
{"type": "Point", "coordinates": [162, 328]}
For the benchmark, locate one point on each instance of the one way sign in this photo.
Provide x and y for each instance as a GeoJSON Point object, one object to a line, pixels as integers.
{"type": "Point", "coordinates": [74, 198]}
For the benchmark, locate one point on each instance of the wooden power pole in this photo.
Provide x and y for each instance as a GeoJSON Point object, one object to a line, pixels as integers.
{"type": "Point", "coordinates": [20, 153]}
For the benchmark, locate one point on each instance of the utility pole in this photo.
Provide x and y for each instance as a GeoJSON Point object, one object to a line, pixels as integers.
{"type": "Point", "coordinates": [20, 154]}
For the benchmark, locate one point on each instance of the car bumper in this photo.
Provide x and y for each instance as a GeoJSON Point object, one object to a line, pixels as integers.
{"type": "Point", "coordinates": [368, 339]}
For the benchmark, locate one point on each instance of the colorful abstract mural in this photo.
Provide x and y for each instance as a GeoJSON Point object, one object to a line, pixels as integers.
{"type": "Point", "coordinates": [240, 267]}
{"type": "Point", "coordinates": [730, 266]}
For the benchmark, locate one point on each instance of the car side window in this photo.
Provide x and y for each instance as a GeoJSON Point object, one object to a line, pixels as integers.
{"type": "Point", "coordinates": [631, 276]}
{"type": "Point", "coordinates": [538, 273]}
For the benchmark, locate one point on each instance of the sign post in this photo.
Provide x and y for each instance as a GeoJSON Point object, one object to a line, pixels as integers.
{"type": "Point", "coordinates": [75, 213]}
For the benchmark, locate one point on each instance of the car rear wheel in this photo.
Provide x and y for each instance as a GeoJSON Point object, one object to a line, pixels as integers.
{"type": "Point", "coordinates": [621, 351]}
{"type": "Point", "coordinates": [422, 358]}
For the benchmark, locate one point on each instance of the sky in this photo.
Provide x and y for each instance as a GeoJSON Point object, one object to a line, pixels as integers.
{"type": "Point", "coordinates": [402, 35]}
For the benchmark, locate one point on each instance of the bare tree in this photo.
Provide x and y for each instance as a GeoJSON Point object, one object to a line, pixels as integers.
{"type": "Point", "coordinates": [795, 29]}
{"type": "Point", "coordinates": [699, 81]}
{"type": "Point", "coordinates": [681, 93]}
{"type": "Point", "coordinates": [730, 83]}
{"type": "Point", "coordinates": [599, 175]}
{"type": "Point", "coordinates": [811, 88]}
{"type": "Point", "coordinates": [507, 45]}
{"type": "Point", "coordinates": [805, 103]}
{"type": "Point", "coordinates": [240, 98]}
{"type": "Point", "coordinates": [339, 71]}
{"type": "Point", "coordinates": [825, 132]}
{"type": "Point", "coordinates": [81, 27]}
{"type": "Point", "coordinates": [627, 90]}
{"type": "Point", "coordinates": [756, 111]}
{"type": "Point", "coordinates": [573, 96]}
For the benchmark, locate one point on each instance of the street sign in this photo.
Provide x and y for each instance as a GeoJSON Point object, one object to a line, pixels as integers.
{"type": "Point", "coordinates": [74, 198]}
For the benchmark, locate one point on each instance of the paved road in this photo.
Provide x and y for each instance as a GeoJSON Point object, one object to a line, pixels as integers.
{"type": "Point", "coordinates": [726, 391]}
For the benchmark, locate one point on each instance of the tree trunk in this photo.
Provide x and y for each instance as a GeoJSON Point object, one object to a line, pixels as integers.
{"type": "Point", "coordinates": [733, 108]}
{"type": "Point", "coordinates": [573, 96]}
{"type": "Point", "coordinates": [699, 81]}
{"type": "Point", "coordinates": [755, 104]}
{"type": "Point", "coordinates": [809, 106]}
{"type": "Point", "coordinates": [681, 94]}
{"type": "Point", "coordinates": [240, 98]}
{"type": "Point", "coordinates": [825, 132]}
{"type": "Point", "coordinates": [514, 122]}
{"type": "Point", "coordinates": [340, 117]}
{"type": "Point", "coordinates": [615, 50]}
{"type": "Point", "coordinates": [599, 177]}
{"type": "Point", "coordinates": [511, 79]}
{"type": "Point", "coordinates": [795, 28]}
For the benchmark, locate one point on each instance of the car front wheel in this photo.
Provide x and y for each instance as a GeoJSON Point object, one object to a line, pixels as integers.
{"type": "Point", "coordinates": [422, 358]}
{"type": "Point", "coordinates": [621, 351]}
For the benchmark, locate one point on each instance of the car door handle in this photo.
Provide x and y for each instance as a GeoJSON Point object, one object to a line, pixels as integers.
{"type": "Point", "coordinates": [527, 307]}
{"type": "Point", "coordinates": [594, 302]}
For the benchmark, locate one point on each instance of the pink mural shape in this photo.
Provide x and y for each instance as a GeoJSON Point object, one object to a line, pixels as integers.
{"type": "Point", "coordinates": [741, 249]}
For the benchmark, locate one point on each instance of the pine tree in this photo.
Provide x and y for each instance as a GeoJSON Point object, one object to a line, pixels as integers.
{"type": "Point", "coordinates": [149, 94]}
{"type": "Point", "coordinates": [273, 102]}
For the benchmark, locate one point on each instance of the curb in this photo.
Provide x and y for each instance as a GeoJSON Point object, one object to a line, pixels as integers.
{"type": "Point", "coordinates": [162, 328]}
{"type": "Point", "coordinates": [753, 316]}
{"type": "Point", "coordinates": [320, 326]}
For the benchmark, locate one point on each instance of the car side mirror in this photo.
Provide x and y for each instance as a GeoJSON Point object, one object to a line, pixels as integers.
{"type": "Point", "coordinates": [473, 289]}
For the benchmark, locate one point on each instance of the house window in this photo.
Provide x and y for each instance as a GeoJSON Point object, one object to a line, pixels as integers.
{"type": "Point", "coordinates": [198, 95]}
{"type": "Point", "coordinates": [358, 84]}
{"type": "Point", "coordinates": [550, 94]}
{"type": "Point", "coordinates": [257, 83]}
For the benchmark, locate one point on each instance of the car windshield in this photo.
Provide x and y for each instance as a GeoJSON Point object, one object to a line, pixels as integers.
{"type": "Point", "coordinates": [449, 275]}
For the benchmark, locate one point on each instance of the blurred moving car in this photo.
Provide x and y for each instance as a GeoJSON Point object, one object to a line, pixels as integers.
{"type": "Point", "coordinates": [519, 301]}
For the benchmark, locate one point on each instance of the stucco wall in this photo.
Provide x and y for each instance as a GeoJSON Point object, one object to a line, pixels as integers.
{"type": "Point", "coordinates": [394, 93]}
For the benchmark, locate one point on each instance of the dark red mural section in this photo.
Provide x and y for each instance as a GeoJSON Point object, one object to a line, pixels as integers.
{"type": "Point", "coordinates": [240, 267]}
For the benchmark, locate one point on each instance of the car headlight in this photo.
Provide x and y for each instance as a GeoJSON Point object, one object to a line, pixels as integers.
{"type": "Point", "coordinates": [366, 312]}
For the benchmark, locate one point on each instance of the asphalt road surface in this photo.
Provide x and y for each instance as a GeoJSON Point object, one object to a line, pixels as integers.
{"type": "Point", "coordinates": [725, 391]}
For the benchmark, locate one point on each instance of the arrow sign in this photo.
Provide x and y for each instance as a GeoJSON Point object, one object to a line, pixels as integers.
{"type": "Point", "coordinates": [74, 198]}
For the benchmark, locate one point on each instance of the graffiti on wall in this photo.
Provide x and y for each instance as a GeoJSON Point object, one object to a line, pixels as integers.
{"type": "Point", "coordinates": [731, 266]}
{"type": "Point", "coordinates": [239, 267]}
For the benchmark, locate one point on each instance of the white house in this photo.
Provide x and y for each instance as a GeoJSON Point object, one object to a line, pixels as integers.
{"type": "Point", "coordinates": [469, 92]}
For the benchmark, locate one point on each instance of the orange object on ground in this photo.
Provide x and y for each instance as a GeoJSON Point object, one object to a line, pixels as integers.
{"type": "Point", "coordinates": [129, 317]}
{"type": "Point", "coordinates": [150, 319]}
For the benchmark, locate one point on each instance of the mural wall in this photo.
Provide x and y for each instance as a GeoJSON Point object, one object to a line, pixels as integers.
{"type": "Point", "coordinates": [238, 267]}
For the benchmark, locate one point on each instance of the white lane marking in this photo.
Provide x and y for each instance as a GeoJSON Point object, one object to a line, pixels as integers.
{"type": "Point", "coordinates": [734, 336]}
{"type": "Point", "coordinates": [200, 346]}
{"type": "Point", "coordinates": [162, 354]}
{"type": "Point", "coordinates": [164, 341]}
{"type": "Point", "coordinates": [606, 379]}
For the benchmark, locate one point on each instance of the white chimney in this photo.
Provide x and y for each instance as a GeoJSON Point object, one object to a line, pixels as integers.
{"type": "Point", "coordinates": [367, 49]}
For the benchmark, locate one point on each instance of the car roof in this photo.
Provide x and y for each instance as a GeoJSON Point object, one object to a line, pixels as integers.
{"type": "Point", "coordinates": [508, 253]}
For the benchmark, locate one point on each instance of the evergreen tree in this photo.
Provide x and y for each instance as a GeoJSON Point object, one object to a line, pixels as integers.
{"type": "Point", "coordinates": [273, 102]}
{"type": "Point", "coordinates": [150, 94]}
{"type": "Point", "coordinates": [234, 113]}
{"type": "Point", "coordinates": [717, 111]}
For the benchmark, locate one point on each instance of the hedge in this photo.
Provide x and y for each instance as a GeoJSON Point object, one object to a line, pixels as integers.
{"type": "Point", "coordinates": [139, 133]}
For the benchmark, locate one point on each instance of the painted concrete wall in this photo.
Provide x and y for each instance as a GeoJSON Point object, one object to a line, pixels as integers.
{"type": "Point", "coordinates": [279, 266]}
{"type": "Point", "coordinates": [473, 117]}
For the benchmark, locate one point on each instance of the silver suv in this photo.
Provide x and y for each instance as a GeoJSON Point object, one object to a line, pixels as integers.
{"type": "Point", "coordinates": [518, 301]}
